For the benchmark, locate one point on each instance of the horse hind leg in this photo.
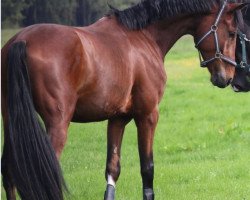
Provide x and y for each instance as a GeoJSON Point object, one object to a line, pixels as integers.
{"type": "Point", "coordinates": [146, 128]}
{"type": "Point", "coordinates": [115, 133]}
{"type": "Point", "coordinates": [57, 123]}
{"type": "Point", "coordinates": [55, 102]}
{"type": "Point", "coordinates": [58, 135]}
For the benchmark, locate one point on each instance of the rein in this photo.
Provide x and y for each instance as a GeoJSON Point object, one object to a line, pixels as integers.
{"type": "Point", "coordinates": [218, 53]}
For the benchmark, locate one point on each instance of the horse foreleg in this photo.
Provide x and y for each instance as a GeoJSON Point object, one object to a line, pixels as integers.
{"type": "Point", "coordinates": [146, 128]}
{"type": "Point", "coordinates": [115, 133]}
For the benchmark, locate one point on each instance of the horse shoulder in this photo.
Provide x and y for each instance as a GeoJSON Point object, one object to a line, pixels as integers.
{"type": "Point", "coordinates": [150, 77]}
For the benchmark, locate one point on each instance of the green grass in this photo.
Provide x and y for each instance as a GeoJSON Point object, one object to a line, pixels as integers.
{"type": "Point", "coordinates": [201, 147]}
{"type": "Point", "coordinates": [6, 34]}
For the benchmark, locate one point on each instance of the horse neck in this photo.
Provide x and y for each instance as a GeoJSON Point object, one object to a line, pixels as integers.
{"type": "Point", "coordinates": [166, 33]}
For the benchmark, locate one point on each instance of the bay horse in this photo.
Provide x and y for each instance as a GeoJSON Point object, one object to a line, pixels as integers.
{"type": "Point", "coordinates": [112, 70]}
{"type": "Point", "coordinates": [241, 81]}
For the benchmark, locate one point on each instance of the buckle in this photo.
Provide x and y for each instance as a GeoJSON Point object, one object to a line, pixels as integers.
{"type": "Point", "coordinates": [214, 28]}
{"type": "Point", "coordinates": [218, 55]}
{"type": "Point", "coordinates": [243, 64]}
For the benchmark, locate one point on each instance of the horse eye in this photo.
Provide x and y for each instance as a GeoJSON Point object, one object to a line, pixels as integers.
{"type": "Point", "coordinates": [232, 34]}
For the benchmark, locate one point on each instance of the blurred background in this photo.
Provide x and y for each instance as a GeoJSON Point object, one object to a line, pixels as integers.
{"type": "Point", "coordinates": [19, 13]}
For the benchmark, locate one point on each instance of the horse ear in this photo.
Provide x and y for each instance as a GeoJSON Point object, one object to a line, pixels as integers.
{"type": "Point", "coordinates": [232, 7]}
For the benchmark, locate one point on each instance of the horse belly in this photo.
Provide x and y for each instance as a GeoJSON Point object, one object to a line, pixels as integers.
{"type": "Point", "coordinates": [96, 108]}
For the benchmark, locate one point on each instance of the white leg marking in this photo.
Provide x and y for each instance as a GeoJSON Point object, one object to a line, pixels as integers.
{"type": "Point", "coordinates": [111, 180]}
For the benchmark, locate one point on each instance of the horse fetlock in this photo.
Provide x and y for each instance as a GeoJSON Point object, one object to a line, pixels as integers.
{"type": "Point", "coordinates": [148, 194]}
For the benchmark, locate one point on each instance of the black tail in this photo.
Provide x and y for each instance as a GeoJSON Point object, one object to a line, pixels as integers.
{"type": "Point", "coordinates": [34, 167]}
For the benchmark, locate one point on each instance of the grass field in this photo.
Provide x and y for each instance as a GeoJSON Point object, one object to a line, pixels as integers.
{"type": "Point", "coordinates": [201, 147]}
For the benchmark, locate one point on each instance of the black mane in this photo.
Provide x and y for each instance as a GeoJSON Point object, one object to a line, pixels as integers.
{"type": "Point", "coordinates": [148, 11]}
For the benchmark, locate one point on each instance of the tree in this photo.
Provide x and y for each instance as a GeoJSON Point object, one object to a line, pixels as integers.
{"type": "Point", "coordinates": [123, 4]}
{"type": "Point", "coordinates": [88, 11]}
{"type": "Point", "coordinates": [11, 12]}
{"type": "Point", "coordinates": [50, 11]}
{"type": "Point", "coordinates": [70, 12]}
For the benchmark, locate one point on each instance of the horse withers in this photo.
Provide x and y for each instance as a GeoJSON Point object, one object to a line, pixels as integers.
{"type": "Point", "coordinates": [241, 82]}
{"type": "Point", "coordinates": [110, 70]}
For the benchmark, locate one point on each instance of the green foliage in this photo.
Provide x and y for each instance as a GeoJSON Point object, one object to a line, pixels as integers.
{"type": "Point", "coordinates": [87, 12]}
{"type": "Point", "coordinates": [70, 12]}
{"type": "Point", "coordinates": [7, 34]}
{"type": "Point", "coordinates": [123, 4]}
{"type": "Point", "coordinates": [49, 11]}
{"type": "Point", "coordinates": [11, 12]}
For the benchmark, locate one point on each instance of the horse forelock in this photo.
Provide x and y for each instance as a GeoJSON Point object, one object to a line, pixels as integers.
{"type": "Point", "coordinates": [148, 11]}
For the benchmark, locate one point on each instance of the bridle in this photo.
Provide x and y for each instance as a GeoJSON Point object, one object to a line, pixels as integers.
{"type": "Point", "coordinates": [218, 53]}
{"type": "Point", "coordinates": [243, 64]}
{"type": "Point", "coordinates": [243, 40]}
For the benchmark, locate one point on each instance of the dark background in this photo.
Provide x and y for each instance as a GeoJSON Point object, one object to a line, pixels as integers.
{"type": "Point", "coordinates": [19, 13]}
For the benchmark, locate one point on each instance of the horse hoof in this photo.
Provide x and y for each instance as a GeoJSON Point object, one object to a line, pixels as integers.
{"type": "Point", "coordinates": [109, 193]}
{"type": "Point", "coordinates": [148, 194]}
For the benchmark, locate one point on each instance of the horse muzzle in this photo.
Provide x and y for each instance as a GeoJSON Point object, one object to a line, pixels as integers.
{"type": "Point", "coordinates": [220, 80]}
